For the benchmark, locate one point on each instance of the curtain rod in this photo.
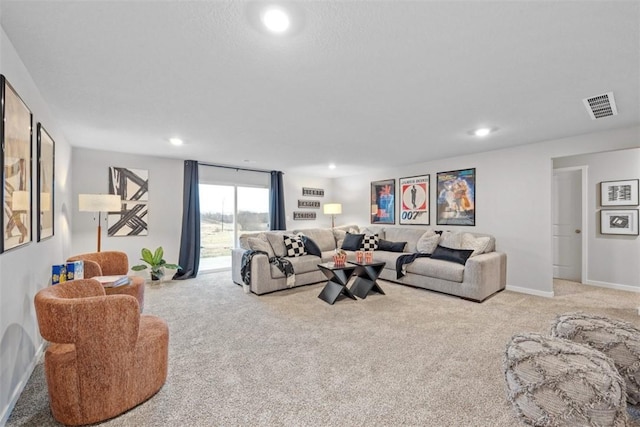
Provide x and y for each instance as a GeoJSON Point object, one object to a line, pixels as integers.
{"type": "Point", "coordinates": [237, 168]}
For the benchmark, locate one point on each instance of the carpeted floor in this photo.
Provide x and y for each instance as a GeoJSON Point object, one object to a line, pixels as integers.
{"type": "Point", "coordinates": [412, 357]}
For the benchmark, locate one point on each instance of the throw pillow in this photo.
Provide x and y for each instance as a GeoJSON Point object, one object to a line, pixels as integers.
{"type": "Point", "coordinates": [477, 244]}
{"type": "Point", "coordinates": [459, 256]}
{"type": "Point", "coordinates": [369, 242]}
{"type": "Point", "coordinates": [452, 240]}
{"type": "Point", "coordinates": [385, 245]}
{"type": "Point", "coordinates": [352, 242]}
{"type": "Point", "coordinates": [427, 243]}
{"type": "Point", "coordinates": [310, 246]}
{"type": "Point", "coordinates": [294, 246]}
{"type": "Point", "coordinates": [258, 244]}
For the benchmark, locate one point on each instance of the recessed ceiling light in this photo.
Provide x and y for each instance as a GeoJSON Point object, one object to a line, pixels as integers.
{"type": "Point", "coordinates": [482, 132]}
{"type": "Point", "coordinates": [176, 141]}
{"type": "Point", "coordinates": [276, 20]}
{"type": "Point", "coordinates": [332, 165]}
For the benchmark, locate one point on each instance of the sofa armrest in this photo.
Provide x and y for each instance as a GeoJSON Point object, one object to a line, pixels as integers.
{"type": "Point", "coordinates": [488, 270]}
{"type": "Point", "coordinates": [260, 267]}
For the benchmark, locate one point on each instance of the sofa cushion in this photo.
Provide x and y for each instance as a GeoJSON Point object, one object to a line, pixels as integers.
{"type": "Point", "coordinates": [477, 244]}
{"type": "Point", "coordinates": [438, 269]}
{"type": "Point", "coordinates": [459, 256]}
{"type": "Point", "coordinates": [428, 242]}
{"type": "Point", "coordinates": [409, 235]}
{"type": "Point", "coordinates": [323, 237]}
{"type": "Point", "coordinates": [302, 264]}
{"type": "Point", "coordinates": [276, 241]}
{"type": "Point", "coordinates": [352, 242]}
{"type": "Point", "coordinates": [385, 245]}
{"type": "Point", "coordinates": [369, 242]}
{"type": "Point", "coordinates": [310, 246]}
{"type": "Point", "coordinates": [244, 237]}
{"type": "Point", "coordinates": [260, 244]}
{"type": "Point", "coordinates": [294, 245]}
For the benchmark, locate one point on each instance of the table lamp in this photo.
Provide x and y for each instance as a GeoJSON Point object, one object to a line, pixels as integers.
{"type": "Point", "coordinates": [99, 203]}
{"type": "Point", "coordinates": [332, 209]}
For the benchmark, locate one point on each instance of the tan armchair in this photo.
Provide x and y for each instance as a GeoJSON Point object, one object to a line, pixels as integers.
{"type": "Point", "coordinates": [104, 356]}
{"type": "Point", "coordinates": [112, 263]}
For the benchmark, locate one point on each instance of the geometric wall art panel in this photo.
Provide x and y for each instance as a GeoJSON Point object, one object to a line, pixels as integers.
{"type": "Point", "coordinates": [132, 186]}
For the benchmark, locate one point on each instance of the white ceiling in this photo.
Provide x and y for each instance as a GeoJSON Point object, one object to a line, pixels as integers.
{"type": "Point", "coordinates": [359, 83]}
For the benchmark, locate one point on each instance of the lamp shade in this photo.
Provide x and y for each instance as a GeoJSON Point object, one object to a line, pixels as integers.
{"type": "Point", "coordinates": [20, 201]}
{"type": "Point", "coordinates": [332, 208]}
{"type": "Point", "coordinates": [99, 202]}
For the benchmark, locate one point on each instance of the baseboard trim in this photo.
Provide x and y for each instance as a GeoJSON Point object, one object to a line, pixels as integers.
{"type": "Point", "coordinates": [21, 385]}
{"type": "Point", "coordinates": [612, 286]}
{"type": "Point", "coordinates": [530, 291]}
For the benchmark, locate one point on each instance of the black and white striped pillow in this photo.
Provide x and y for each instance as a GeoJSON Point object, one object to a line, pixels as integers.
{"type": "Point", "coordinates": [294, 246]}
{"type": "Point", "coordinates": [369, 242]}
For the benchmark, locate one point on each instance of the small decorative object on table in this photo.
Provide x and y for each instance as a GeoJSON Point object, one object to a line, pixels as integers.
{"type": "Point", "coordinates": [368, 257]}
{"type": "Point", "coordinates": [156, 262]}
{"type": "Point", "coordinates": [339, 259]}
{"type": "Point", "coordinates": [359, 256]}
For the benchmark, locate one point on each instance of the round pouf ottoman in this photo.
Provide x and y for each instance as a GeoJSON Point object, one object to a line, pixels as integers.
{"type": "Point", "coordinates": [617, 339]}
{"type": "Point", "coordinates": [555, 382]}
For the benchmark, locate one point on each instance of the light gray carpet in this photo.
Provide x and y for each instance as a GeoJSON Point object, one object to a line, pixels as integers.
{"type": "Point", "coordinates": [412, 357]}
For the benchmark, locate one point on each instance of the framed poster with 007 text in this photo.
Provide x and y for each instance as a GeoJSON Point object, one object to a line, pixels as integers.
{"type": "Point", "coordinates": [383, 203]}
{"type": "Point", "coordinates": [619, 222]}
{"type": "Point", "coordinates": [456, 197]}
{"type": "Point", "coordinates": [15, 135]}
{"type": "Point", "coordinates": [46, 179]}
{"type": "Point", "coordinates": [619, 193]}
{"type": "Point", "coordinates": [414, 200]}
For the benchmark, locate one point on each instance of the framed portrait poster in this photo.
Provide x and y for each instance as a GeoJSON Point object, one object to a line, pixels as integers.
{"type": "Point", "coordinates": [46, 179]}
{"type": "Point", "coordinates": [383, 204]}
{"type": "Point", "coordinates": [414, 200]}
{"type": "Point", "coordinates": [15, 133]}
{"type": "Point", "coordinates": [619, 193]}
{"type": "Point", "coordinates": [619, 222]}
{"type": "Point", "coordinates": [456, 197]}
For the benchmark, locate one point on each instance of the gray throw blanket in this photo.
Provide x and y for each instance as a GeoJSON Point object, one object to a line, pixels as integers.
{"type": "Point", "coordinates": [403, 260]}
{"type": "Point", "coordinates": [283, 264]}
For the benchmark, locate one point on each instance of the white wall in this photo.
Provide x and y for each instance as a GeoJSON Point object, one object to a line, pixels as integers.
{"type": "Point", "coordinates": [513, 198]}
{"type": "Point", "coordinates": [91, 175]}
{"type": "Point", "coordinates": [612, 260]}
{"type": "Point", "coordinates": [27, 269]}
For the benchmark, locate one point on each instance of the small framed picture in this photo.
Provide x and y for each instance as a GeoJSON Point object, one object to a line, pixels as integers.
{"type": "Point", "coordinates": [619, 222]}
{"type": "Point", "coordinates": [619, 193]}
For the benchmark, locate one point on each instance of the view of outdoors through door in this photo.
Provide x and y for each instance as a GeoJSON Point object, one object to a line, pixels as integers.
{"type": "Point", "coordinates": [225, 212]}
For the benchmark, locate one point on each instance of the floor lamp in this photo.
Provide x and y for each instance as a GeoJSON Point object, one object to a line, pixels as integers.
{"type": "Point", "coordinates": [332, 209]}
{"type": "Point", "coordinates": [99, 203]}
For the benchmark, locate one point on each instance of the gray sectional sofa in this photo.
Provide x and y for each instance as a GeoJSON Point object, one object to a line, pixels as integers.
{"type": "Point", "coordinates": [482, 275]}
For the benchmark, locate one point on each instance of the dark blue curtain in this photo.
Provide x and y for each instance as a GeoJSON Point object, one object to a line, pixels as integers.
{"type": "Point", "coordinates": [277, 218]}
{"type": "Point", "coordinates": [189, 259]}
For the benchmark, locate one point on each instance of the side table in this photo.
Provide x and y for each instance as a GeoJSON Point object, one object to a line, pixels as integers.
{"type": "Point", "coordinates": [366, 278]}
{"type": "Point", "coordinates": [135, 288]}
{"type": "Point", "coordinates": [337, 284]}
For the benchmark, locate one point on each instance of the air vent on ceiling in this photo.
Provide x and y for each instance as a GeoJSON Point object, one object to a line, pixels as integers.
{"type": "Point", "coordinates": [600, 106]}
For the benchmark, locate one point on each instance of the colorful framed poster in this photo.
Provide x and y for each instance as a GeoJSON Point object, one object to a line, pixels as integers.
{"type": "Point", "coordinates": [456, 197]}
{"type": "Point", "coordinates": [383, 203]}
{"type": "Point", "coordinates": [46, 179]}
{"type": "Point", "coordinates": [414, 200]}
{"type": "Point", "coordinates": [619, 193]}
{"type": "Point", "coordinates": [15, 134]}
{"type": "Point", "coordinates": [132, 185]}
{"type": "Point", "coordinates": [619, 222]}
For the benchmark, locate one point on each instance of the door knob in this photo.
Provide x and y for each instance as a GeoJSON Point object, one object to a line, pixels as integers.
{"type": "Point", "coordinates": [578, 231]}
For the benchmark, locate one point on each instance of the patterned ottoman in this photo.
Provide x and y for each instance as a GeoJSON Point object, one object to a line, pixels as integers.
{"type": "Point", "coordinates": [555, 382]}
{"type": "Point", "coordinates": [617, 339]}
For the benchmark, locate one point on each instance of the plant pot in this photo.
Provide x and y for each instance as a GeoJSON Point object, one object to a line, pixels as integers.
{"type": "Point", "coordinates": [156, 276]}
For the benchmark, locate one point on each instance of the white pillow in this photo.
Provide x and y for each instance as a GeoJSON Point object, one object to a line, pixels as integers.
{"type": "Point", "coordinates": [451, 240]}
{"type": "Point", "coordinates": [428, 242]}
{"type": "Point", "coordinates": [259, 244]}
{"type": "Point", "coordinates": [478, 244]}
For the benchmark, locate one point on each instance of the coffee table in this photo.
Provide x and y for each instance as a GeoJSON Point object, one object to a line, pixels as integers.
{"type": "Point", "coordinates": [366, 275]}
{"type": "Point", "coordinates": [337, 284]}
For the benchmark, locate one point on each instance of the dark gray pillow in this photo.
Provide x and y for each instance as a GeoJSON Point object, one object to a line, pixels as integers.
{"type": "Point", "coordinates": [311, 247]}
{"type": "Point", "coordinates": [352, 242]}
{"type": "Point", "coordinates": [454, 255]}
{"type": "Point", "coordinates": [385, 245]}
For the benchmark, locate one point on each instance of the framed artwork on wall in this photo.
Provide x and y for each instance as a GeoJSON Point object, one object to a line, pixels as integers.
{"type": "Point", "coordinates": [15, 134]}
{"type": "Point", "coordinates": [619, 193]}
{"type": "Point", "coordinates": [456, 197]}
{"type": "Point", "coordinates": [46, 180]}
{"type": "Point", "coordinates": [383, 203]}
{"type": "Point", "coordinates": [132, 186]}
{"type": "Point", "coordinates": [619, 222]}
{"type": "Point", "coordinates": [414, 200]}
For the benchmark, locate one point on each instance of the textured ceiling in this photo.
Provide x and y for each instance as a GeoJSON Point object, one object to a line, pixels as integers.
{"type": "Point", "coordinates": [359, 83]}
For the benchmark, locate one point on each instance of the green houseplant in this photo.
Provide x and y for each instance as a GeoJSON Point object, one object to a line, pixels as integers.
{"type": "Point", "coordinates": [155, 261]}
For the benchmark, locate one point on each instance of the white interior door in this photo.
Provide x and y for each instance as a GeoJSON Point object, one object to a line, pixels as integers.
{"type": "Point", "coordinates": [567, 223]}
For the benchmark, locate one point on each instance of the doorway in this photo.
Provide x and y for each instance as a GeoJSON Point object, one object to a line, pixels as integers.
{"type": "Point", "coordinates": [569, 224]}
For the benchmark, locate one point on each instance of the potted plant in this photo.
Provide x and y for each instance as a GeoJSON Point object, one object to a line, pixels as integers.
{"type": "Point", "coordinates": [156, 262]}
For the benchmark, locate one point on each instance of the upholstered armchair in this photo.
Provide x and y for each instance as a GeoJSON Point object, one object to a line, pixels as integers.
{"type": "Point", "coordinates": [104, 356]}
{"type": "Point", "coordinates": [112, 263]}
